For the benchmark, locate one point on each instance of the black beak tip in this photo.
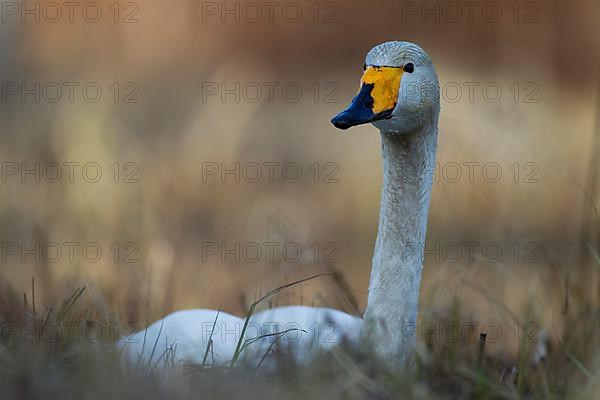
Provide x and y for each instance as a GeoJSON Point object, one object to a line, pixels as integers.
{"type": "Point", "coordinates": [340, 122]}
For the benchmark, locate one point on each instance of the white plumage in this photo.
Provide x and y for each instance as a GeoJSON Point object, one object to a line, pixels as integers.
{"type": "Point", "coordinates": [190, 332]}
{"type": "Point", "coordinates": [408, 123]}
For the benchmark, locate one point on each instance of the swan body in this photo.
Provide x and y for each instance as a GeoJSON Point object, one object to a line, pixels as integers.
{"type": "Point", "coordinates": [399, 95]}
{"type": "Point", "coordinates": [186, 330]}
{"type": "Point", "coordinates": [191, 332]}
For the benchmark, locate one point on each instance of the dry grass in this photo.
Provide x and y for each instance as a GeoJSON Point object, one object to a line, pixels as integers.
{"type": "Point", "coordinates": [41, 357]}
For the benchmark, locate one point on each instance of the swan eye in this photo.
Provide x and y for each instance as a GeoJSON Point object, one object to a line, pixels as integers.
{"type": "Point", "coordinates": [410, 68]}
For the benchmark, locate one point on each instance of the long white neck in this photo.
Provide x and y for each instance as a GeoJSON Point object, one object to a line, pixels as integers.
{"type": "Point", "coordinates": [390, 317]}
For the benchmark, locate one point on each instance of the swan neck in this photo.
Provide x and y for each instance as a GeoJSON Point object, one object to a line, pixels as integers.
{"type": "Point", "coordinates": [390, 316]}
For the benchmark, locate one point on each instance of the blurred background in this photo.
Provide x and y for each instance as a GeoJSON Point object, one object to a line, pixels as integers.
{"type": "Point", "coordinates": [138, 140]}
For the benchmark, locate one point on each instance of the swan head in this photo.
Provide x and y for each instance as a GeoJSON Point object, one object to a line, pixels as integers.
{"type": "Point", "coordinates": [399, 91]}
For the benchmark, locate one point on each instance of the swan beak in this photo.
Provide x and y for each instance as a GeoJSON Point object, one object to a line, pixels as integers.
{"type": "Point", "coordinates": [375, 100]}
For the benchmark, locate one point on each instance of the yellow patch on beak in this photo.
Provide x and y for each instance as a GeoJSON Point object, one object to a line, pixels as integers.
{"type": "Point", "coordinates": [386, 83]}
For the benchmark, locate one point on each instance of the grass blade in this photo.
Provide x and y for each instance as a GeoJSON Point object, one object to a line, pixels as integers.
{"type": "Point", "coordinates": [268, 295]}
{"type": "Point", "coordinates": [210, 341]}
